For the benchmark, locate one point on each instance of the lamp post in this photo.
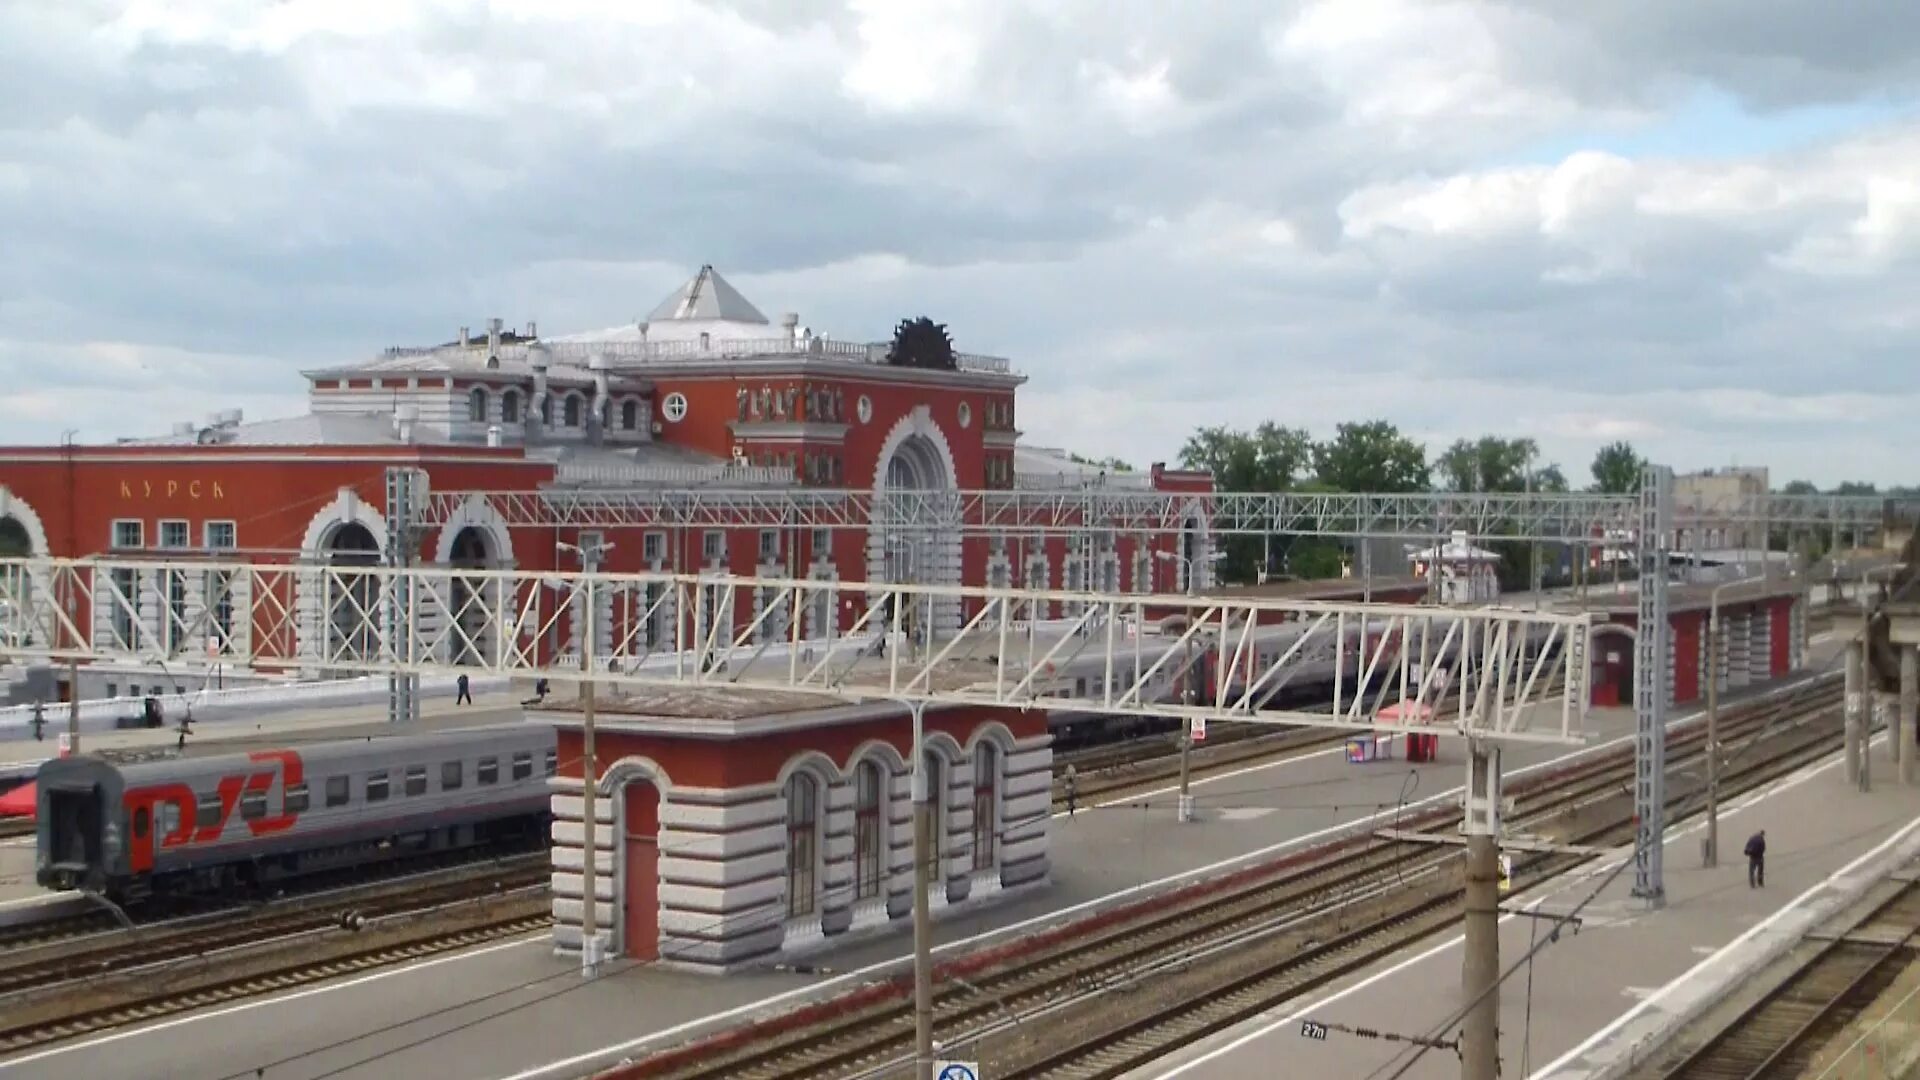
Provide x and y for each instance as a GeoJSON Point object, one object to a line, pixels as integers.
{"type": "Point", "coordinates": [1187, 694]}
{"type": "Point", "coordinates": [590, 555]}
{"type": "Point", "coordinates": [1710, 847]}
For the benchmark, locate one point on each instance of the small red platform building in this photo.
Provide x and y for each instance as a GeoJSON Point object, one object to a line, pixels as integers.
{"type": "Point", "coordinates": [1763, 636]}
{"type": "Point", "coordinates": [734, 826]}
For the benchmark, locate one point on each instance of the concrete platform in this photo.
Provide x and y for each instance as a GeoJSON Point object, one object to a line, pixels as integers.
{"type": "Point", "coordinates": [514, 1009]}
{"type": "Point", "coordinates": [1602, 995]}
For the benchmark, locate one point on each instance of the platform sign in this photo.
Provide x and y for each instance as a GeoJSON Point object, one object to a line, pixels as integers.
{"type": "Point", "coordinates": [66, 744]}
{"type": "Point", "coordinates": [1198, 729]}
{"type": "Point", "coordinates": [1311, 1030]}
{"type": "Point", "coordinates": [956, 1070]}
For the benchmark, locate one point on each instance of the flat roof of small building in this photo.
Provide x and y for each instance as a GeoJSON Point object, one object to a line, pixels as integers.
{"type": "Point", "coordinates": [1688, 597]}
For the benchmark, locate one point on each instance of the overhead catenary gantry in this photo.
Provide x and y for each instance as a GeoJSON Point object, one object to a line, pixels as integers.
{"type": "Point", "coordinates": [1513, 675]}
{"type": "Point", "coordinates": [1574, 518]}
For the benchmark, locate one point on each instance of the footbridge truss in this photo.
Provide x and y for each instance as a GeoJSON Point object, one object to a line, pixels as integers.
{"type": "Point", "coordinates": [1578, 517]}
{"type": "Point", "coordinates": [1486, 672]}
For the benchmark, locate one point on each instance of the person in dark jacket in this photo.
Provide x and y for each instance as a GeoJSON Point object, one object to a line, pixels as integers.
{"type": "Point", "coordinates": [465, 695]}
{"type": "Point", "coordinates": [1757, 860]}
{"type": "Point", "coordinates": [1073, 791]}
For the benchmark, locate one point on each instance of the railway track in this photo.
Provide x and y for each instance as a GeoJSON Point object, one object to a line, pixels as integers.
{"type": "Point", "coordinates": [1779, 1034]}
{"type": "Point", "coordinates": [1322, 913]}
{"type": "Point", "coordinates": [77, 984]}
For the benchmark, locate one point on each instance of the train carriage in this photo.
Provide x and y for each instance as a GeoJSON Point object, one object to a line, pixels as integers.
{"type": "Point", "coordinates": [187, 825]}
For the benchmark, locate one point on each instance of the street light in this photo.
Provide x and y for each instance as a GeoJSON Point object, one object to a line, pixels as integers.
{"type": "Point", "coordinates": [589, 929]}
{"type": "Point", "coordinates": [1710, 847]}
{"type": "Point", "coordinates": [1185, 812]}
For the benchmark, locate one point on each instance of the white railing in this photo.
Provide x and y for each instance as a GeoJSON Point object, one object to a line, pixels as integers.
{"type": "Point", "coordinates": [934, 644]}
{"type": "Point", "coordinates": [1888, 1048]}
{"type": "Point", "coordinates": [623, 353]}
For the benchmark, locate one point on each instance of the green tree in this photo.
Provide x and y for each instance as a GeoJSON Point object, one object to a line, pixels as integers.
{"type": "Point", "coordinates": [1550, 479]}
{"type": "Point", "coordinates": [1489, 463]}
{"type": "Point", "coordinates": [1372, 456]}
{"type": "Point", "coordinates": [1855, 487]}
{"type": "Point", "coordinates": [1270, 458]}
{"type": "Point", "coordinates": [1616, 469]}
{"type": "Point", "coordinates": [1800, 487]}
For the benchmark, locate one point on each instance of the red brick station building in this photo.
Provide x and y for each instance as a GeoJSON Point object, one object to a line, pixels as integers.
{"type": "Point", "coordinates": [738, 826]}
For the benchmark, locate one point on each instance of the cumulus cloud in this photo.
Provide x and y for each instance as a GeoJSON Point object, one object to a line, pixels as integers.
{"type": "Point", "coordinates": [1302, 211]}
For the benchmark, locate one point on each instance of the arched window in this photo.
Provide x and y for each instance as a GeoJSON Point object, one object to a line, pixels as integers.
{"type": "Point", "coordinates": [477, 405]}
{"type": "Point", "coordinates": [936, 817]}
{"type": "Point", "coordinates": [869, 829]}
{"type": "Point", "coordinates": [986, 805]}
{"type": "Point", "coordinates": [510, 407]}
{"type": "Point", "coordinates": [803, 844]}
{"type": "Point", "coordinates": [573, 410]}
{"type": "Point", "coordinates": [629, 415]}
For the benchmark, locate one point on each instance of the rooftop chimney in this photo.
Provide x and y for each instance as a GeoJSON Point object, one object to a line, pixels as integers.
{"type": "Point", "coordinates": [532, 331]}
{"type": "Point", "coordinates": [790, 322]}
{"type": "Point", "coordinates": [463, 337]}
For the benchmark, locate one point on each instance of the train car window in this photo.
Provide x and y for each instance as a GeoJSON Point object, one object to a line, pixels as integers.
{"type": "Point", "coordinates": [142, 821]}
{"type": "Point", "coordinates": [209, 813]}
{"type": "Point", "coordinates": [451, 773]}
{"type": "Point", "coordinates": [295, 799]}
{"type": "Point", "coordinates": [416, 779]}
{"type": "Point", "coordinates": [336, 791]}
{"type": "Point", "coordinates": [522, 766]}
{"type": "Point", "coordinates": [253, 805]}
{"type": "Point", "coordinates": [488, 771]}
{"type": "Point", "coordinates": [169, 818]}
{"type": "Point", "coordinates": [376, 787]}
{"type": "Point", "coordinates": [553, 762]}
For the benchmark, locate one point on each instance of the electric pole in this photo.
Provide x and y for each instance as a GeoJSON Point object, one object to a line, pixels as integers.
{"type": "Point", "coordinates": [922, 918]}
{"type": "Point", "coordinates": [1187, 696]}
{"type": "Point", "coordinates": [1480, 968]}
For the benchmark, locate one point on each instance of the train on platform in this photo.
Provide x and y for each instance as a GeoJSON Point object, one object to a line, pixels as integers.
{"type": "Point", "coordinates": [137, 830]}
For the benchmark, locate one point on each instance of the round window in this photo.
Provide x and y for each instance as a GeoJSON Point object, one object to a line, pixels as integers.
{"type": "Point", "coordinates": [674, 408]}
{"type": "Point", "coordinates": [966, 414]}
{"type": "Point", "coordinates": [865, 409]}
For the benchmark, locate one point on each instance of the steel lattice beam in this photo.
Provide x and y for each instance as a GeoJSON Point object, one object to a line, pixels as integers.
{"type": "Point", "coordinates": [1516, 675]}
{"type": "Point", "coordinates": [1578, 517]}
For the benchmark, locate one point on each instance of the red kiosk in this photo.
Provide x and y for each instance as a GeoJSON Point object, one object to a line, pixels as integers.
{"type": "Point", "coordinates": [1420, 747]}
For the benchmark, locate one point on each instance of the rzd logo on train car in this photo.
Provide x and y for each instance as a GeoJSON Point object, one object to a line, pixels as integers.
{"type": "Point", "coordinates": [143, 806]}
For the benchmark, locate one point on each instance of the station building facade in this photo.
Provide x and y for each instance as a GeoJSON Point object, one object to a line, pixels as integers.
{"type": "Point", "coordinates": [705, 394]}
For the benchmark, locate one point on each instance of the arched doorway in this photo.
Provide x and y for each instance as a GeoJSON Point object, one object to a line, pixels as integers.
{"type": "Point", "coordinates": [916, 543]}
{"type": "Point", "coordinates": [16, 596]}
{"type": "Point", "coordinates": [352, 615]}
{"type": "Point", "coordinates": [467, 604]}
{"type": "Point", "coordinates": [640, 870]}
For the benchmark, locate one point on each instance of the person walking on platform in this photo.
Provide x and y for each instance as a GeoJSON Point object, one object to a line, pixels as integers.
{"type": "Point", "coordinates": [1073, 791]}
{"type": "Point", "coordinates": [1757, 860]}
{"type": "Point", "coordinates": [464, 695]}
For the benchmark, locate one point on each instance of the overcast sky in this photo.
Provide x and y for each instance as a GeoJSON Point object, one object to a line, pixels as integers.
{"type": "Point", "coordinates": [1692, 225]}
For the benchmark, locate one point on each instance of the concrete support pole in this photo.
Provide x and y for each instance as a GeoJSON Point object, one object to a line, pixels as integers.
{"type": "Point", "coordinates": [1710, 847]}
{"type": "Point", "coordinates": [1189, 695]}
{"type": "Point", "coordinates": [1909, 704]}
{"type": "Point", "coordinates": [1856, 714]}
{"type": "Point", "coordinates": [922, 917]}
{"type": "Point", "coordinates": [1480, 963]}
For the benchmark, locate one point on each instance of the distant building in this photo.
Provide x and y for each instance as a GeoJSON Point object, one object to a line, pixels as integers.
{"type": "Point", "coordinates": [1716, 496]}
{"type": "Point", "coordinates": [1468, 574]}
